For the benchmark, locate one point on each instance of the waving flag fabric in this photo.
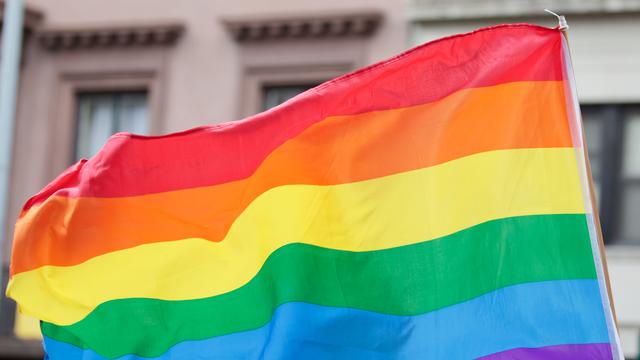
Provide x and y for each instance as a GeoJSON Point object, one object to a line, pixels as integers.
{"type": "Point", "coordinates": [431, 206]}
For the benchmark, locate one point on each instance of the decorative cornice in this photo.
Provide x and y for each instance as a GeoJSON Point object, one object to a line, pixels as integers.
{"type": "Point", "coordinates": [57, 39]}
{"type": "Point", "coordinates": [454, 10]}
{"type": "Point", "coordinates": [304, 27]}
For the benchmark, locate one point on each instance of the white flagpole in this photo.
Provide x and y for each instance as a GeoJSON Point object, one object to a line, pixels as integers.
{"type": "Point", "coordinates": [9, 73]}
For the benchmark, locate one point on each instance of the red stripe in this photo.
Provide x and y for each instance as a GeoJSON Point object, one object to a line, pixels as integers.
{"type": "Point", "coordinates": [133, 165]}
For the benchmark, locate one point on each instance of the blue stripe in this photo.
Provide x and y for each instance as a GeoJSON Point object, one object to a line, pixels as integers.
{"type": "Point", "coordinates": [526, 315]}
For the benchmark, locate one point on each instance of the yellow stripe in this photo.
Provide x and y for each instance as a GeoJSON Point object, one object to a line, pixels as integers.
{"type": "Point", "coordinates": [386, 212]}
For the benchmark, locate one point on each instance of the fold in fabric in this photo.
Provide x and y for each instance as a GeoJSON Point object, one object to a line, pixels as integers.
{"type": "Point", "coordinates": [526, 315]}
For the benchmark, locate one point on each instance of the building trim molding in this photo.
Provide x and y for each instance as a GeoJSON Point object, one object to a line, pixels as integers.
{"type": "Point", "coordinates": [59, 39]}
{"type": "Point", "coordinates": [458, 10]}
{"type": "Point", "coordinates": [304, 27]}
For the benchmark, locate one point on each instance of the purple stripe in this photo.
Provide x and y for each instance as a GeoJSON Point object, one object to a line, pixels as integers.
{"type": "Point", "coordinates": [557, 352]}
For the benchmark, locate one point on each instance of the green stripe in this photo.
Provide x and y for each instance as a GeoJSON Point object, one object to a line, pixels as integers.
{"type": "Point", "coordinates": [407, 280]}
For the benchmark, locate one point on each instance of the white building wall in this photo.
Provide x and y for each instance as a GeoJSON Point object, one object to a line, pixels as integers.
{"type": "Point", "coordinates": [605, 51]}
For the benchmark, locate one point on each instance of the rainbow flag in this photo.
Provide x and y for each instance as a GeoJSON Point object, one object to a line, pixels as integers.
{"type": "Point", "coordinates": [432, 206]}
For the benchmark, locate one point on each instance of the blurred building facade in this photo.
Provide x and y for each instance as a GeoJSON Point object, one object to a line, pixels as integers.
{"type": "Point", "coordinates": [604, 37]}
{"type": "Point", "coordinates": [91, 68]}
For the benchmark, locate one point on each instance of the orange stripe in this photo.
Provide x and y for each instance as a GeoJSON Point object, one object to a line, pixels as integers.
{"type": "Point", "coordinates": [67, 231]}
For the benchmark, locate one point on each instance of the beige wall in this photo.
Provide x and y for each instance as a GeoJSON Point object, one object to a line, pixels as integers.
{"type": "Point", "coordinates": [204, 66]}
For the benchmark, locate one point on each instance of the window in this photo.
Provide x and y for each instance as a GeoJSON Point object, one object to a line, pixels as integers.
{"type": "Point", "coordinates": [103, 114]}
{"type": "Point", "coordinates": [630, 180]}
{"type": "Point", "coordinates": [276, 95]}
{"type": "Point", "coordinates": [613, 139]}
{"type": "Point", "coordinates": [593, 132]}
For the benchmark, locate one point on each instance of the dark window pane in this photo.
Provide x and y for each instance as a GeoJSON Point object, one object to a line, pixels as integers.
{"type": "Point", "coordinates": [629, 226]}
{"type": "Point", "coordinates": [631, 148]}
{"type": "Point", "coordinates": [593, 123]}
{"type": "Point", "coordinates": [101, 115]}
{"type": "Point", "coordinates": [629, 207]}
{"type": "Point", "coordinates": [134, 114]}
{"type": "Point", "coordinates": [276, 95]}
